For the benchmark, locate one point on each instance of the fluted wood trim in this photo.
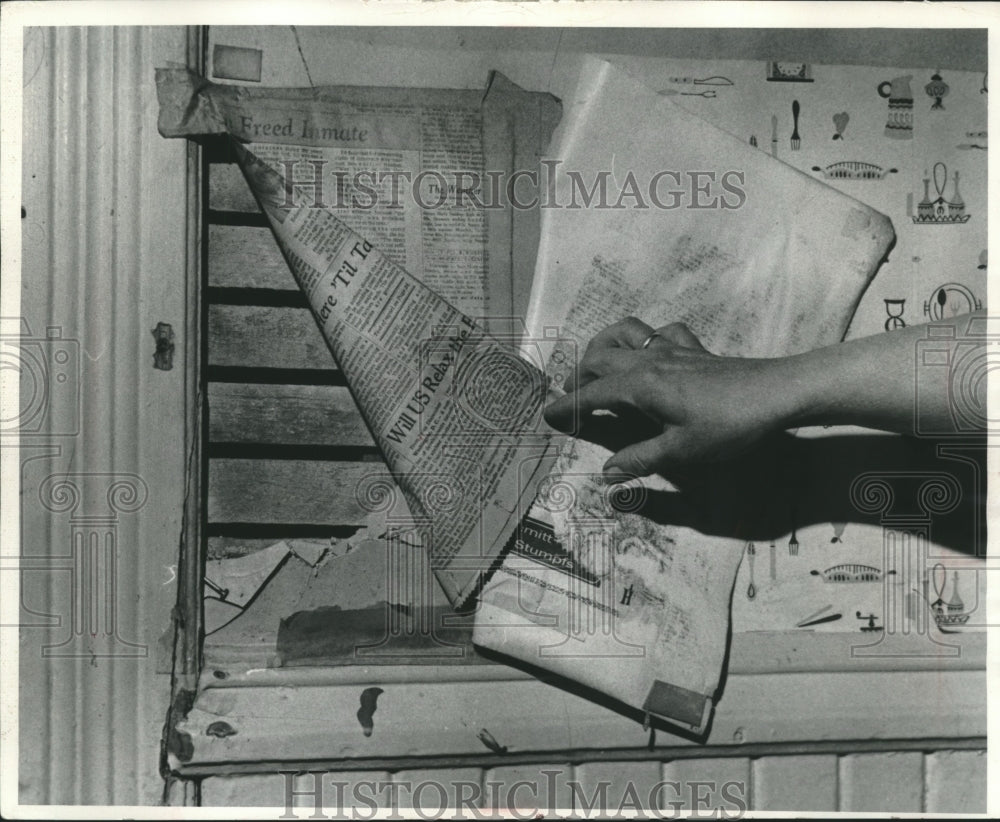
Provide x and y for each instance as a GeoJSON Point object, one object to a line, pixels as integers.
{"type": "Point", "coordinates": [105, 259]}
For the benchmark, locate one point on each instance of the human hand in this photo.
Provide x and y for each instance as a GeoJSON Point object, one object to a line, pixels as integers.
{"type": "Point", "coordinates": [678, 404]}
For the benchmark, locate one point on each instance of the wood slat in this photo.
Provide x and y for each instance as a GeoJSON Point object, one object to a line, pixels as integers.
{"type": "Point", "coordinates": [725, 783]}
{"type": "Point", "coordinates": [882, 782]}
{"type": "Point", "coordinates": [285, 415]}
{"type": "Point", "coordinates": [337, 792]}
{"type": "Point", "coordinates": [246, 257]}
{"type": "Point", "coordinates": [543, 787]}
{"type": "Point", "coordinates": [795, 783]}
{"type": "Point", "coordinates": [458, 784]}
{"type": "Point", "coordinates": [955, 782]}
{"type": "Point", "coordinates": [287, 491]}
{"type": "Point", "coordinates": [642, 776]}
{"type": "Point", "coordinates": [265, 337]}
{"type": "Point", "coordinates": [228, 190]}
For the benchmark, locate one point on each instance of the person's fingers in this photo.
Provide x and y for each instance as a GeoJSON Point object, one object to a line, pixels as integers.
{"type": "Point", "coordinates": [600, 363]}
{"type": "Point", "coordinates": [561, 414]}
{"type": "Point", "coordinates": [635, 390]}
{"type": "Point", "coordinates": [630, 332]}
{"type": "Point", "coordinates": [678, 334]}
{"type": "Point", "coordinates": [642, 458]}
{"type": "Point", "coordinates": [609, 393]}
{"type": "Point", "coordinates": [615, 431]}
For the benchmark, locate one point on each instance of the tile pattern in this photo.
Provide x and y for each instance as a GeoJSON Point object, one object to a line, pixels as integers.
{"type": "Point", "coordinates": [944, 781]}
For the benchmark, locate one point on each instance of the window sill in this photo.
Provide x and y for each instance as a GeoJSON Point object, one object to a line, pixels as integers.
{"type": "Point", "coordinates": [781, 688]}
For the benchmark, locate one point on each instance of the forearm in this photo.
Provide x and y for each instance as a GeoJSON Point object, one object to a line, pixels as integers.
{"type": "Point", "coordinates": [705, 408]}
{"type": "Point", "coordinates": [871, 382]}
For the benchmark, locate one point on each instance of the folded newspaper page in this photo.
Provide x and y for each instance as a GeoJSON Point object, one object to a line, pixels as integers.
{"type": "Point", "coordinates": [682, 222]}
{"type": "Point", "coordinates": [455, 411]}
{"type": "Point", "coordinates": [400, 166]}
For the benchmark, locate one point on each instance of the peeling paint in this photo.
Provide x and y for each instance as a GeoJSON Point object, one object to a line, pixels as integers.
{"type": "Point", "coordinates": [220, 730]}
{"type": "Point", "coordinates": [369, 703]}
{"type": "Point", "coordinates": [179, 743]}
{"type": "Point", "coordinates": [175, 742]}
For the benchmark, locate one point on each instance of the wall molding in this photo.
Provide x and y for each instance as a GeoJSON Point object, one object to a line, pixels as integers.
{"type": "Point", "coordinates": [105, 259]}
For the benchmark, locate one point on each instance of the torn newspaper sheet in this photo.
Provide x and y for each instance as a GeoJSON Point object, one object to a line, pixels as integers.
{"type": "Point", "coordinates": [759, 260]}
{"type": "Point", "coordinates": [232, 583]}
{"type": "Point", "coordinates": [455, 412]}
{"type": "Point", "coordinates": [400, 167]}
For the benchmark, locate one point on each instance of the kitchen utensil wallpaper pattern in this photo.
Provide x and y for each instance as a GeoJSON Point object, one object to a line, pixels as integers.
{"type": "Point", "coordinates": [913, 144]}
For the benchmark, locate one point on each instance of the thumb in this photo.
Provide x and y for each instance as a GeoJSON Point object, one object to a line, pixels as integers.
{"type": "Point", "coordinates": [642, 458]}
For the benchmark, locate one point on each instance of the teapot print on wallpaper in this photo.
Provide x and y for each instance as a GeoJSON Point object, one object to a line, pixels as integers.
{"type": "Point", "coordinates": [899, 124]}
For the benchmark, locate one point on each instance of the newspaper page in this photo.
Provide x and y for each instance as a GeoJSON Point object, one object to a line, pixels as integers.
{"type": "Point", "coordinates": [600, 585]}
{"type": "Point", "coordinates": [422, 173]}
{"type": "Point", "coordinates": [455, 410]}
